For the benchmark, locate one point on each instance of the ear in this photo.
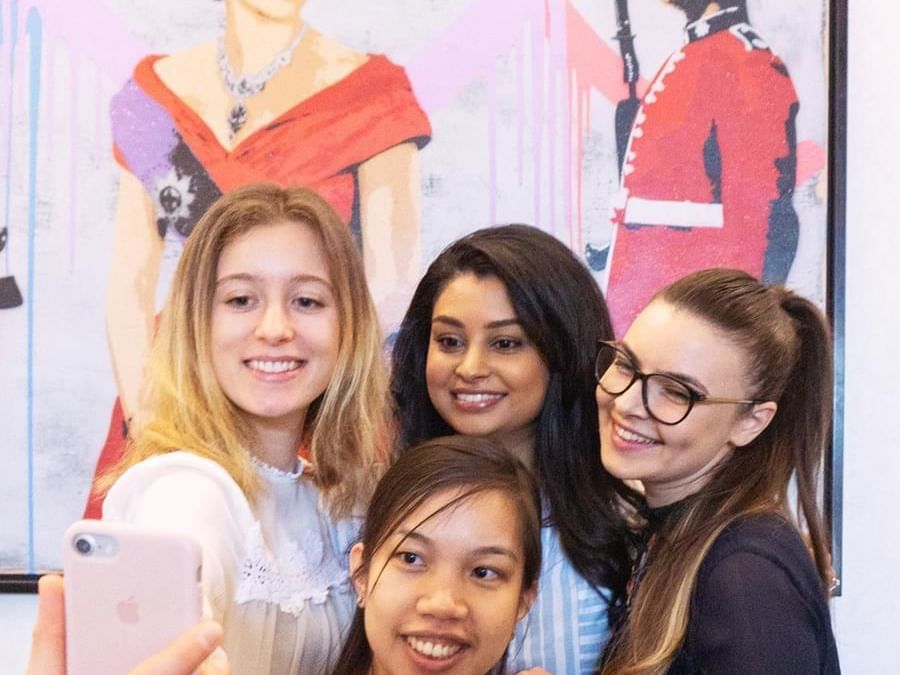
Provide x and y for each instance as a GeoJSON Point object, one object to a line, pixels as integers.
{"type": "Point", "coordinates": [751, 424]}
{"type": "Point", "coordinates": [358, 575]}
{"type": "Point", "coordinates": [526, 600]}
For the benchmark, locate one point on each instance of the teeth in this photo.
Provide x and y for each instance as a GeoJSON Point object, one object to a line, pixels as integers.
{"type": "Point", "coordinates": [273, 366]}
{"type": "Point", "coordinates": [477, 398]}
{"type": "Point", "coordinates": [435, 650]}
{"type": "Point", "coordinates": [632, 437]}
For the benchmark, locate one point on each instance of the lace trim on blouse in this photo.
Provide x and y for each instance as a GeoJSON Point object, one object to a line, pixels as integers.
{"type": "Point", "coordinates": [301, 574]}
{"type": "Point", "coordinates": [274, 472]}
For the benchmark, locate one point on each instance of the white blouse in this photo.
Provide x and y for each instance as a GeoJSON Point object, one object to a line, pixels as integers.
{"type": "Point", "coordinates": [274, 574]}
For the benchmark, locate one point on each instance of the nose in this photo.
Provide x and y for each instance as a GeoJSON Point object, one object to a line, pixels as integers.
{"type": "Point", "coordinates": [439, 599]}
{"type": "Point", "coordinates": [473, 365]}
{"type": "Point", "coordinates": [275, 324]}
{"type": "Point", "coordinates": [630, 402]}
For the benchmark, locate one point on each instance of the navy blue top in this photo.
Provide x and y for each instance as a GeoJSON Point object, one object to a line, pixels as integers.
{"type": "Point", "coordinates": [758, 607]}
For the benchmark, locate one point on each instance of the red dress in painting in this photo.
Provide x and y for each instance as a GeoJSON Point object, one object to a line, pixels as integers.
{"type": "Point", "coordinates": [319, 143]}
{"type": "Point", "coordinates": [710, 168]}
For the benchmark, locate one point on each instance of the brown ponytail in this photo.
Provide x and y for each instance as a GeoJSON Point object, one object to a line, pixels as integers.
{"type": "Point", "coordinates": [788, 347]}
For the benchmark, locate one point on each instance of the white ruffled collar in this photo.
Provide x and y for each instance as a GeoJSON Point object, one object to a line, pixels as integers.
{"type": "Point", "coordinates": [274, 473]}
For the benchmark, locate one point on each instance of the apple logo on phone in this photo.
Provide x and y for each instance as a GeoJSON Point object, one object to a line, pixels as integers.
{"type": "Point", "coordinates": [127, 611]}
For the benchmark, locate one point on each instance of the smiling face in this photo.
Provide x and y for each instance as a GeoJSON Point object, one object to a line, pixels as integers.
{"type": "Point", "coordinates": [275, 331]}
{"type": "Point", "coordinates": [443, 595]}
{"type": "Point", "coordinates": [676, 461]}
{"type": "Point", "coordinates": [484, 376]}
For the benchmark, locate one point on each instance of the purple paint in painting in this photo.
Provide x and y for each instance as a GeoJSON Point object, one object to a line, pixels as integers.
{"type": "Point", "coordinates": [146, 153]}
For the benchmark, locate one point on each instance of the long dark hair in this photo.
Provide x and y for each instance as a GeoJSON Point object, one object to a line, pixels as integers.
{"type": "Point", "coordinates": [471, 465]}
{"type": "Point", "coordinates": [787, 345]}
{"type": "Point", "coordinates": [563, 312]}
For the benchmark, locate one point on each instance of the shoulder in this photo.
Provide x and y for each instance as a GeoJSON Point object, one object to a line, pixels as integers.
{"type": "Point", "coordinates": [756, 576]}
{"type": "Point", "coordinates": [168, 483]}
{"type": "Point", "coordinates": [189, 72]}
{"type": "Point", "coordinates": [334, 60]}
{"type": "Point", "coordinates": [758, 549]}
{"type": "Point", "coordinates": [760, 573]}
{"type": "Point", "coordinates": [768, 534]}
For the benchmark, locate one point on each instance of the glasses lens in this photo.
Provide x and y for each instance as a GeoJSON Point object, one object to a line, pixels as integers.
{"type": "Point", "coordinates": [613, 369]}
{"type": "Point", "coordinates": [668, 399]}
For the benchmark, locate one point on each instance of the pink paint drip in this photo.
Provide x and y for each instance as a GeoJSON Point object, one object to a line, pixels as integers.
{"type": "Point", "coordinates": [92, 32]}
{"type": "Point", "coordinates": [492, 146]}
{"type": "Point", "coordinates": [73, 162]}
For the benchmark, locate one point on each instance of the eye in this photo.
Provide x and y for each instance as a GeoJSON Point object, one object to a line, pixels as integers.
{"type": "Point", "coordinates": [623, 365]}
{"type": "Point", "coordinates": [449, 343]}
{"type": "Point", "coordinates": [409, 558]}
{"type": "Point", "coordinates": [485, 573]}
{"type": "Point", "coordinates": [506, 344]}
{"type": "Point", "coordinates": [239, 301]}
{"type": "Point", "coordinates": [675, 391]}
{"type": "Point", "coordinates": [305, 302]}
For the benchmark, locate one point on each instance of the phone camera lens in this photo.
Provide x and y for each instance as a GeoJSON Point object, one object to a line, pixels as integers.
{"type": "Point", "coordinates": [84, 544]}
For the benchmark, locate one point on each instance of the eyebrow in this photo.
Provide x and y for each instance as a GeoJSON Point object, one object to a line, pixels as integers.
{"type": "Point", "coordinates": [684, 377]}
{"type": "Point", "coordinates": [405, 534]}
{"type": "Point", "coordinates": [500, 323]}
{"type": "Point", "coordinates": [296, 279]}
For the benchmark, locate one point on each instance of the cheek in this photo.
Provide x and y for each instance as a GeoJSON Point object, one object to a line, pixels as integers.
{"type": "Point", "coordinates": [532, 378]}
{"type": "Point", "coordinates": [499, 620]}
{"type": "Point", "coordinates": [436, 372]}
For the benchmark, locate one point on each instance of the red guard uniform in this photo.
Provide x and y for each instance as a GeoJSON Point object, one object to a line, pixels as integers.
{"type": "Point", "coordinates": [710, 168]}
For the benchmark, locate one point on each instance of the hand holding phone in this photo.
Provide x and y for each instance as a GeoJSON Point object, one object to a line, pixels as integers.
{"type": "Point", "coordinates": [130, 591]}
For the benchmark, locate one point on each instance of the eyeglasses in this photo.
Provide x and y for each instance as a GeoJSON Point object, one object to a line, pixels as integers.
{"type": "Point", "coordinates": [667, 399]}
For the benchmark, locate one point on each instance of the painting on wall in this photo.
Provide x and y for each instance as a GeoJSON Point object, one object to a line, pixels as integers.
{"type": "Point", "coordinates": [652, 137]}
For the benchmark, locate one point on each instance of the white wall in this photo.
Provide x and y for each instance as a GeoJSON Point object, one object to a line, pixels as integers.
{"type": "Point", "coordinates": [867, 615]}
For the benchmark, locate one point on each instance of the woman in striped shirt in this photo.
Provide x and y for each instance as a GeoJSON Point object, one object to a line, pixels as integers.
{"type": "Point", "coordinates": [498, 342]}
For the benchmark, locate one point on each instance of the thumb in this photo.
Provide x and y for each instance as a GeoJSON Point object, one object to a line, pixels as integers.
{"type": "Point", "coordinates": [186, 653]}
{"type": "Point", "coordinates": [48, 641]}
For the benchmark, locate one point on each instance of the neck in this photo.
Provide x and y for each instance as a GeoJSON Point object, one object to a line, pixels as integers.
{"type": "Point", "coordinates": [521, 444]}
{"type": "Point", "coordinates": [276, 443]}
{"type": "Point", "coordinates": [253, 39]}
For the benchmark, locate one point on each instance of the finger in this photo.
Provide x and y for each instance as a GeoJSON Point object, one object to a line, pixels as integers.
{"type": "Point", "coordinates": [48, 640]}
{"type": "Point", "coordinates": [185, 654]}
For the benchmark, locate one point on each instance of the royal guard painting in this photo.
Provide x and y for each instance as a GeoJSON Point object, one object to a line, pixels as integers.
{"type": "Point", "coordinates": [709, 169]}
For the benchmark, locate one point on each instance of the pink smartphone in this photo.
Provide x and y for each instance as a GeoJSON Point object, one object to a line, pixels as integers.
{"type": "Point", "coordinates": [130, 591]}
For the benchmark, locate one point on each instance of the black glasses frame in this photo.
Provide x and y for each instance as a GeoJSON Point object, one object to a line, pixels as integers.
{"type": "Point", "coordinates": [694, 396]}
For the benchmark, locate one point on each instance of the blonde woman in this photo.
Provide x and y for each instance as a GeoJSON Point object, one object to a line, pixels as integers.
{"type": "Point", "coordinates": [269, 342]}
{"type": "Point", "coordinates": [271, 99]}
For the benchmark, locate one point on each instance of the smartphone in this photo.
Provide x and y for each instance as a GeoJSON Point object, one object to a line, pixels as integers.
{"type": "Point", "coordinates": [130, 591]}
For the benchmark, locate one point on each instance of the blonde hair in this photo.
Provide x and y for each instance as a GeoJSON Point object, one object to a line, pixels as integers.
{"type": "Point", "coordinates": [348, 428]}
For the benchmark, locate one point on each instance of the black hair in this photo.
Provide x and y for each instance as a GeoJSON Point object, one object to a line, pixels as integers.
{"type": "Point", "coordinates": [563, 313]}
{"type": "Point", "coordinates": [454, 463]}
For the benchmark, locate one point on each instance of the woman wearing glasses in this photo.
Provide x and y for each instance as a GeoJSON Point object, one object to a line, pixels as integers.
{"type": "Point", "coordinates": [718, 396]}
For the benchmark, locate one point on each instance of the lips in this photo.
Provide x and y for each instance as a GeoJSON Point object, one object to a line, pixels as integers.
{"type": "Point", "coordinates": [631, 438]}
{"type": "Point", "coordinates": [435, 652]}
{"type": "Point", "coordinates": [474, 401]}
{"type": "Point", "coordinates": [434, 648]}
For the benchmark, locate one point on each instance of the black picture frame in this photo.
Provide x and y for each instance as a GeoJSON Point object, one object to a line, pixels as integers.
{"type": "Point", "coordinates": [833, 488]}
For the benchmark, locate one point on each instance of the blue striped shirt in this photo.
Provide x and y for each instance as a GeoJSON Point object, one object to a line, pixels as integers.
{"type": "Point", "coordinates": [567, 627]}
